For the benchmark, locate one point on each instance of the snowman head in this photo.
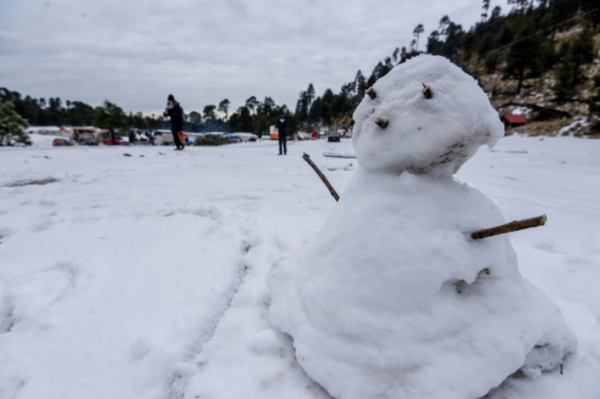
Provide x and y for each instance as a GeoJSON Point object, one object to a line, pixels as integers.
{"type": "Point", "coordinates": [426, 116]}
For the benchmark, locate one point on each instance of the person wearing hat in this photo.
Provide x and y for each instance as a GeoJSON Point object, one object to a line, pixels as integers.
{"type": "Point", "coordinates": [175, 112]}
{"type": "Point", "coordinates": [281, 126]}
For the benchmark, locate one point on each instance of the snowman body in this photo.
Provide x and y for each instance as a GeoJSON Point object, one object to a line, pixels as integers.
{"type": "Point", "coordinates": [394, 299]}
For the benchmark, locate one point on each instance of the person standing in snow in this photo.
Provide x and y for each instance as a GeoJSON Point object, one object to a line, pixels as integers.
{"type": "Point", "coordinates": [281, 126]}
{"type": "Point", "coordinates": [175, 112]}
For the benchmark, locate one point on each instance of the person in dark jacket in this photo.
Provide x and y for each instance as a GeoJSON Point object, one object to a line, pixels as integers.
{"type": "Point", "coordinates": [281, 126]}
{"type": "Point", "coordinates": [175, 112]}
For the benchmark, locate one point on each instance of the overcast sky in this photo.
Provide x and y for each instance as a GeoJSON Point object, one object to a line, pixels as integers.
{"type": "Point", "coordinates": [135, 53]}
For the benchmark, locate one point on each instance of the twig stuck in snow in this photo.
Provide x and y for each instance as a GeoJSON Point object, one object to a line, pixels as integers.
{"type": "Point", "coordinates": [510, 227]}
{"type": "Point", "coordinates": [427, 91]}
{"type": "Point", "coordinates": [371, 93]}
{"type": "Point", "coordinates": [381, 123]}
{"type": "Point", "coordinates": [334, 194]}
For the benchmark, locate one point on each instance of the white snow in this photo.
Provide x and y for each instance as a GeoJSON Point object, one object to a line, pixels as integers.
{"type": "Point", "coordinates": [407, 294]}
{"type": "Point", "coordinates": [145, 277]}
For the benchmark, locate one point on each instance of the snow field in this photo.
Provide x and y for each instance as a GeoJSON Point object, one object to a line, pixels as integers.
{"type": "Point", "coordinates": [146, 277]}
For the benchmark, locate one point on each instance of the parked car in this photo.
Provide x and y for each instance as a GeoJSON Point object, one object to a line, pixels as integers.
{"type": "Point", "coordinates": [118, 141]}
{"type": "Point", "coordinates": [163, 137]}
{"type": "Point", "coordinates": [303, 136]}
{"type": "Point", "coordinates": [60, 142]}
{"type": "Point", "coordinates": [246, 136]}
{"type": "Point", "coordinates": [333, 136]}
{"type": "Point", "coordinates": [233, 138]}
{"type": "Point", "coordinates": [88, 141]}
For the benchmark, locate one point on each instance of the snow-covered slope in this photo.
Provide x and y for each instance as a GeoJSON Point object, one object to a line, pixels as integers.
{"type": "Point", "coordinates": [144, 277]}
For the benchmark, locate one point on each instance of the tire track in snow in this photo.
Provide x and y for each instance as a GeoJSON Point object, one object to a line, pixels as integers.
{"type": "Point", "coordinates": [178, 381]}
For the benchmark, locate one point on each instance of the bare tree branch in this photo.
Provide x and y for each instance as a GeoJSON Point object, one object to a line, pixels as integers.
{"type": "Point", "coordinates": [510, 227]}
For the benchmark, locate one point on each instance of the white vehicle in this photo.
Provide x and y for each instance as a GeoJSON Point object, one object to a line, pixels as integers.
{"type": "Point", "coordinates": [303, 136]}
{"type": "Point", "coordinates": [246, 136]}
{"type": "Point", "coordinates": [163, 137]}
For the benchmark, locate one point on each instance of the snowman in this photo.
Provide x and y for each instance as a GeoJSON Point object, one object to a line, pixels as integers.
{"type": "Point", "coordinates": [395, 299]}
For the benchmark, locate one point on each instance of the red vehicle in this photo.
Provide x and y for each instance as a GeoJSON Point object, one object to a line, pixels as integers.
{"type": "Point", "coordinates": [110, 142]}
{"type": "Point", "coordinates": [59, 142]}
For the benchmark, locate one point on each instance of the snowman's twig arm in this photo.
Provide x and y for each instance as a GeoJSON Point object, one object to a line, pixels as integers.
{"type": "Point", "coordinates": [334, 194]}
{"type": "Point", "coordinates": [510, 227]}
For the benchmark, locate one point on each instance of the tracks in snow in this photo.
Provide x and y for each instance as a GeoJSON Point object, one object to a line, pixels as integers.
{"type": "Point", "coordinates": [178, 381]}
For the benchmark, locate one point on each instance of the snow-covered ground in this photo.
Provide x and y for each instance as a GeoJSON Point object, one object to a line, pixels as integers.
{"type": "Point", "coordinates": [143, 276]}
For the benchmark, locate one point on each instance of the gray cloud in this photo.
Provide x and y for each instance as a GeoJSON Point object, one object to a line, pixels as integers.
{"type": "Point", "coordinates": [137, 52]}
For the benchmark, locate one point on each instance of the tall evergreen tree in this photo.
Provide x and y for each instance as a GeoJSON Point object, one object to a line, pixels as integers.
{"type": "Point", "coordinates": [209, 113]}
{"type": "Point", "coordinates": [224, 107]}
{"type": "Point", "coordinates": [262, 125]}
{"type": "Point", "coordinates": [360, 83]}
{"type": "Point", "coordinates": [195, 119]}
{"type": "Point", "coordinates": [486, 7]}
{"type": "Point", "coordinates": [302, 107]}
{"type": "Point", "coordinates": [111, 117]}
{"type": "Point", "coordinates": [595, 105]}
{"type": "Point", "coordinates": [252, 104]}
{"type": "Point", "coordinates": [419, 29]}
{"type": "Point", "coordinates": [12, 125]}
{"type": "Point", "coordinates": [315, 111]}
{"type": "Point", "coordinates": [522, 60]}
{"type": "Point", "coordinates": [310, 95]}
{"type": "Point", "coordinates": [245, 123]}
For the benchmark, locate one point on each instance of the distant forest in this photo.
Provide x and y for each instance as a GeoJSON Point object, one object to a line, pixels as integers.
{"type": "Point", "coordinates": [254, 116]}
{"type": "Point", "coordinates": [520, 45]}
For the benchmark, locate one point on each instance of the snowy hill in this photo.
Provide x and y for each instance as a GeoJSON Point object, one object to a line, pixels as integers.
{"type": "Point", "coordinates": [144, 276]}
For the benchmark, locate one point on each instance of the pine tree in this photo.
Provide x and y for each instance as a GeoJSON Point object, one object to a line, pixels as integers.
{"type": "Point", "coordinates": [496, 12]}
{"type": "Point", "coordinates": [315, 110]}
{"type": "Point", "coordinates": [360, 83]}
{"type": "Point", "coordinates": [419, 29]}
{"type": "Point", "coordinates": [595, 105]}
{"type": "Point", "coordinates": [12, 125]}
{"type": "Point", "coordinates": [262, 126]}
{"type": "Point", "coordinates": [443, 26]}
{"type": "Point", "coordinates": [252, 104]}
{"type": "Point", "coordinates": [245, 120]}
{"type": "Point", "coordinates": [310, 95]}
{"type": "Point", "coordinates": [328, 96]}
{"type": "Point", "coordinates": [486, 7]}
{"type": "Point", "coordinates": [302, 106]}
{"type": "Point", "coordinates": [396, 56]}
{"type": "Point", "coordinates": [111, 117]}
{"type": "Point", "coordinates": [224, 107]}
{"type": "Point", "coordinates": [522, 60]}
{"type": "Point", "coordinates": [195, 119]}
{"type": "Point", "coordinates": [563, 89]}
{"type": "Point", "coordinates": [268, 107]}
{"type": "Point", "coordinates": [434, 44]}
{"type": "Point", "coordinates": [209, 113]}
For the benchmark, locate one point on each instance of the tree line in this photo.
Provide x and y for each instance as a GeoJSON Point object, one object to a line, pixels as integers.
{"type": "Point", "coordinates": [254, 116]}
